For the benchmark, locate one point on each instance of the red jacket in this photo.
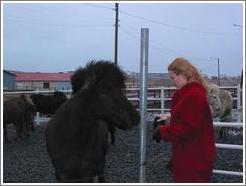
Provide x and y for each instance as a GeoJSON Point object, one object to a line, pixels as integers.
{"type": "Point", "coordinates": [191, 134]}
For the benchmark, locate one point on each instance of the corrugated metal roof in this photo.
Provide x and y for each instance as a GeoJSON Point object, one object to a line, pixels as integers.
{"type": "Point", "coordinates": [42, 76]}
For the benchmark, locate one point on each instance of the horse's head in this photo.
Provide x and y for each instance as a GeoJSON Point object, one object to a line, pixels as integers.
{"type": "Point", "coordinates": [214, 100]}
{"type": "Point", "coordinates": [107, 82]}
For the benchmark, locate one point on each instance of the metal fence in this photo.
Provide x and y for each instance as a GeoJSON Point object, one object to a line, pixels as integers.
{"type": "Point", "coordinates": [162, 95]}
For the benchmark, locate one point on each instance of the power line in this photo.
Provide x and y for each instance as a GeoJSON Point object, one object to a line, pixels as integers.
{"type": "Point", "coordinates": [163, 24]}
{"type": "Point", "coordinates": [174, 26]}
{"type": "Point", "coordinates": [55, 24]}
{"type": "Point", "coordinates": [153, 43]}
{"type": "Point", "coordinates": [129, 33]}
{"type": "Point", "coordinates": [160, 47]}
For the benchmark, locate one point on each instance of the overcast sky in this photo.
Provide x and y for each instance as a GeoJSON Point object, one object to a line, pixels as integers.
{"type": "Point", "coordinates": [53, 37]}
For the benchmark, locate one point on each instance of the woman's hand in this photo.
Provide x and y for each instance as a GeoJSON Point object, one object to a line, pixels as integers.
{"type": "Point", "coordinates": [164, 117]}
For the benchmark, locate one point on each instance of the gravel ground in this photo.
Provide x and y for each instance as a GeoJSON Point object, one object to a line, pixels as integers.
{"type": "Point", "coordinates": [26, 161]}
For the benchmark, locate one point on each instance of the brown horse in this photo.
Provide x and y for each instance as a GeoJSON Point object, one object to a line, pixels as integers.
{"type": "Point", "coordinates": [221, 104]}
{"type": "Point", "coordinates": [19, 111]}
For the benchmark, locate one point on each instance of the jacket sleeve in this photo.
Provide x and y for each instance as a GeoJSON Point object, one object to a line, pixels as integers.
{"type": "Point", "coordinates": [190, 122]}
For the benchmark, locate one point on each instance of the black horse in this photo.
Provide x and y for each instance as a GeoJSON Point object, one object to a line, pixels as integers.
{"type": "Point", "coordinates": [77, 135]}
{"type": "Point", "coordinates": [48, 104]}
{"type": "Point", "coordinates": [80, 79]}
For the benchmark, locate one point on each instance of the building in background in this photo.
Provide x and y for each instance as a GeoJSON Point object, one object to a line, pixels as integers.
{"type": "Point", "coordinates": [9, 82]}
{"type": "Point", "coordinates": [42, 80]}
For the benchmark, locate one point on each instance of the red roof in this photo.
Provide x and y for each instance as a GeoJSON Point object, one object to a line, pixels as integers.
{"type": "Point", "coordinates": [41, 76]}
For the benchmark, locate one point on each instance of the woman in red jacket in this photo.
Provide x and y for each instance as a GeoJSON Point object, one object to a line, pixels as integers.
{"type": "Point", "coordinates": [191, 126]}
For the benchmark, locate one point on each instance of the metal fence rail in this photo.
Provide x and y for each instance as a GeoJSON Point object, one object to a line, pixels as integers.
{"type": "Point", "coordinates": [231, 173]}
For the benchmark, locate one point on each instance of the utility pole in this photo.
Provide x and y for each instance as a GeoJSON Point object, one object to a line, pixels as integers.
{"type": "Point", "coordinates": [218, 61]}
{"type": "Point", "coordinates": [116, 33]}
{"type": "Point", "coordinates": [241, 82]}
{"type": "Point", "coordinates": [218, 71]}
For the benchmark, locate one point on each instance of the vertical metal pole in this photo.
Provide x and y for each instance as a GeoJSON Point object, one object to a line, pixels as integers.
{"type": "Point", "coordinates": [116, 33]}
{"type": "Point", "coordinates": [143, 99]}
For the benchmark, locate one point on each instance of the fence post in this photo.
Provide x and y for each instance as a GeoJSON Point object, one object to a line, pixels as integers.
{"type": "Point", "coordinates": [37, 114]}
{"type": "Point", "coordinates": [143, 99]}
{"type": "Point", "coordinates": [162, 100]}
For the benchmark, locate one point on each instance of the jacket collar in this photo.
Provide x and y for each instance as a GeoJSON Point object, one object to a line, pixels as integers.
{"type": "Point", "coordinates": [190, 85]}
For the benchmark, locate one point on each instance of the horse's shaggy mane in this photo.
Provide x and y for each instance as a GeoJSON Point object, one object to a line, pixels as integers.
{"type": "Point", "coordinates": [98, 75]}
